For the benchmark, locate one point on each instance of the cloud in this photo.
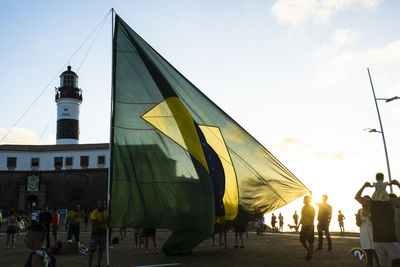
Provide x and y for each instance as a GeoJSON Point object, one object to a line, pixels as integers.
{"type": "Point", "coordinates": [343, 37]}
{"type": "Point", "coordinates": [332, 155]}
{"type": "Point", "coordinates": [296, 146]}
{"type": "Point", "coordinates": [339, 39]}
{"type": "Point", "coordinates": [296, 13]}
{"type": "Point", "coordinates": [291, 144]}
{"type": "Point", "coordinates": [24, 136]}
{"type": "Point", "coordinates": [338, 65]}
{"type": "Point", "coordinates": [19, 136]}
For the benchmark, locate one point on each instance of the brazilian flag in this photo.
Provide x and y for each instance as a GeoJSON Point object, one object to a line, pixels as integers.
{"type": "Point", "coordinates": [177, 160]}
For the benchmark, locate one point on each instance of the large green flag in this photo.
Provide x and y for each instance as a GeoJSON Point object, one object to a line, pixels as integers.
{"type": "Point", "coordinates": [178, 161]}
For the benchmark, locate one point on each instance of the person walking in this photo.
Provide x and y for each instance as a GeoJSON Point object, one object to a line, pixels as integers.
{"type": "Point", "coordinates": [73, 223]}
{"type": "Point", "coordinates": [307, 227]}
{"type": "Point", "coordinates": [45, 218]}
{"type": "Point", "coordinates": [341, 221]}
{"type": "Point", "coordinates": [98, 238]}
{"type": "Point", "coordinates": [324, 219]}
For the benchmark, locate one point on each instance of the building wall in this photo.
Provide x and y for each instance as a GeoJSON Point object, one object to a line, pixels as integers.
{"type": "Point", "coordinates": [47, 159]}
{"type": "Point", "coordinates": [62, 189]}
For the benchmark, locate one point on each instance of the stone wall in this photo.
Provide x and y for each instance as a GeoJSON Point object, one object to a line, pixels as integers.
{"type": "Point", "coordinates": [60, 189]}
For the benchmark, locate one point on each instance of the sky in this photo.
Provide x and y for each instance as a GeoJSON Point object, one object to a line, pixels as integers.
{"type": "Point", "coordinates": [292, 73]}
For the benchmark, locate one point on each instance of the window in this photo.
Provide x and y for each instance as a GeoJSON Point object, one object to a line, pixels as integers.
{"type": "Point", "coordinates": [84, 161]}
{"type": "Point", "coordinates": [68, 80]}
{"type": "Point", "coordinates": [101, 161]}
{"type": "Point", "coordinates": [11, 163]}
{"type": "Point", "coordinates": [69, 162]}
{"type": "Point", "coordinates": [58, 163]}
{"type": "Point", "coordinates": [35, 163]}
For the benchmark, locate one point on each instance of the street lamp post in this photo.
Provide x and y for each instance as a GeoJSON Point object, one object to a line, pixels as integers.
{"type": "Point", "coordinates": [380, 123]}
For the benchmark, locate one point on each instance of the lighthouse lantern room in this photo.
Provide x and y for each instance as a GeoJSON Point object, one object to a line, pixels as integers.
{"type": "Point", "coordinates": [68, 99]}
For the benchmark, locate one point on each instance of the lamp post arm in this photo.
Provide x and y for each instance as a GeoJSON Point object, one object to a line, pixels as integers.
{"type": "Point", "coordinates": [383, 134]}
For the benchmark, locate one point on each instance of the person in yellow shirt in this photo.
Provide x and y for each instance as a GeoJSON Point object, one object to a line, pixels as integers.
{"type": "Point", "coordinates": [73, 223]}
{"type": "Point", "coordinates": [99, 232]}
{"type": "Point", "coordinates": [307, 227]}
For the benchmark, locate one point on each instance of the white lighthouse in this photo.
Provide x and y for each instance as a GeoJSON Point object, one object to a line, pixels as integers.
{"type": "Point", "coordinates": [68, 99]}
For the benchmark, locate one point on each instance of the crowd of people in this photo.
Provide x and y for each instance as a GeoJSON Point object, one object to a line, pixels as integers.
{"type": "Point", "coordinates": [379, 237]}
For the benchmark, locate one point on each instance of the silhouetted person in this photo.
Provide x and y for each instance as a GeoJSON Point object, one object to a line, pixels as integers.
{"type": "Point", "coordinates": [239, 230]}
{"type": "Point", "coordinates": [273, 222]}
{"type": "Point", "coordinates": [341, 221]}
{"type": "Point", "coordinates": [296, 218]}
{"type": "Point", "coordinates": [307, 227]}
{"type": "Point", "coordinates": [324, 219]}
{"type": "Point", "coordinates": [280, 217]}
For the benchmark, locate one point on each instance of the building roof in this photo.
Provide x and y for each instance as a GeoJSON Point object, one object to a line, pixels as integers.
{"type": "Point", "coordinates": [68, 71]}
{"type": "Point", "coordinates": [46, 148]}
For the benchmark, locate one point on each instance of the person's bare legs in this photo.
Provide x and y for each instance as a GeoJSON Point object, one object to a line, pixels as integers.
{"type": "Point", "coordinates": [305, 246]}
{"type": "Point", "coordinates": [309, 248]}
{"type": "Point", "coordinates": [241, 240]}
{"type": "Point", "coordinates": [226, 239]}
{"type": "Point", "coordinates": [236, 239]}
{"type": "Point", "coordinates": [147, 244]}
{"type": "Point", "coordinates": [136, 240]}
{"type": "Point", "coordinates": [8, 240]}
{"type": "Point", "coordinates": [13, 240]}
{"type": "Point", "coordinates": [153, 238]}
{"type": "Point", "coordinates": [91, 254]}
{"type": "Point", "coordinates": [99, 257]}
{"type": "Point", "coordinates": [55, 239]}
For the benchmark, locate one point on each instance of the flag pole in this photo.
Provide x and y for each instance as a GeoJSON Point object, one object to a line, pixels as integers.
{"type": "Point", "coordinates": [111, 139]}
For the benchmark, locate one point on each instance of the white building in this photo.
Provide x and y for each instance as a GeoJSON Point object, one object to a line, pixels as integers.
{"type": "Point", "coordinates": [53, 157]}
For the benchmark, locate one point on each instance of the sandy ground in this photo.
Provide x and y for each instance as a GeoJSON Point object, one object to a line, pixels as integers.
{"type": "Point", "coordinates": [267, 250]}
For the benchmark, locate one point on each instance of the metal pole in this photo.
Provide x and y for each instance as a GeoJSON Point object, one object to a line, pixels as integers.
{"type": "Point", "coordinates": [383, 135]}
{"type": "Point", "coordinates": [109, 148]}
